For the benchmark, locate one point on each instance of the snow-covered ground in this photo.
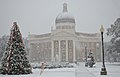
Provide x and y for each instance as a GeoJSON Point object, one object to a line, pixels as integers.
{"type": "Point", "coordinates": [59, 72]}
{"type": "Point", "coordinates": [113, 70]}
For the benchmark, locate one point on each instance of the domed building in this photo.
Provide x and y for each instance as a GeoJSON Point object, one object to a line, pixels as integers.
{"type": "Point", "coordinates": [64, 44]}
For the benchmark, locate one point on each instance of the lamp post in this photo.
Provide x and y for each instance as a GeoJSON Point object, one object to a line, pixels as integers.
{"type": "Point", "coordinates": [98, 56]}
{"type": "Point", "coordinates": [103, 69]}
{"type": "Point", "coordinates": [86, 56]}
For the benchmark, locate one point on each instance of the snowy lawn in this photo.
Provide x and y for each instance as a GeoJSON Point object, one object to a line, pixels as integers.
{"type": "Point", "coordinates": [58, 72]}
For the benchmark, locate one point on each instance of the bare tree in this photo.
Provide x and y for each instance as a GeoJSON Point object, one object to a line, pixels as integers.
{"type": "Point", "coordinates": [3, 43]}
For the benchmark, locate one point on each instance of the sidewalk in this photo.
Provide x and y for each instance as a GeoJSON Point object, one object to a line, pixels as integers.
{"type": "Point", "coordinates": [82, 71]}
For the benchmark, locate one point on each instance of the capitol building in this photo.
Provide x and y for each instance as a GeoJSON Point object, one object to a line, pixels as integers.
{"type": "Point", "coordinates": [63, 43]}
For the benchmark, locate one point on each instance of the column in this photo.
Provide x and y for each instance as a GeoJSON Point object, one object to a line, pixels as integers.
{"type": "Point", "coordinates": [52, 53]}
{"type": "Point", "coordinates": [67, 50]}
{"type": "Point", "coordinates": [59, 51]}
{"type": "Point", "coordinates": [74, 51]}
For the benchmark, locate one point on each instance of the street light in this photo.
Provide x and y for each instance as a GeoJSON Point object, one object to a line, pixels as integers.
{"type": "Point", "coordinates": [98, 56]}
{"type": "Point", "coordinates": [103, 69]}
{"type": "Point", "coordinates": [86, 56]}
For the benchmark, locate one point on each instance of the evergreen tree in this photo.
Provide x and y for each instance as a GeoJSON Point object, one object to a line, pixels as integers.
{"type": "Point", "coordinates": [14, 60]}
{"type": "Point", "coordinates": [114, 47]}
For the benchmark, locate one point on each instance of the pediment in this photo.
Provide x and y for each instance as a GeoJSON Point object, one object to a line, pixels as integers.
{"type": "Point", "coordinates": [63, 34]}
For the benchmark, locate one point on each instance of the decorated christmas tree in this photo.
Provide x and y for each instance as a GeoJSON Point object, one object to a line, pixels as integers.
{"type": "Point", "coordinates": [14, 60]}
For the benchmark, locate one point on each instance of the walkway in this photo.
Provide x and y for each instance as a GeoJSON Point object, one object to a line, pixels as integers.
{"type": "Point", "coordinates": [113, 70]}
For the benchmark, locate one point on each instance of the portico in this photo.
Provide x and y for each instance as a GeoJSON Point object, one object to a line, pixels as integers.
{"type": "Point", "coordinates": [63, 50]}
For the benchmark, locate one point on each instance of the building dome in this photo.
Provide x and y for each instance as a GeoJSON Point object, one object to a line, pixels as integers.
{"type": "Point", "coordinates": [65, 16]}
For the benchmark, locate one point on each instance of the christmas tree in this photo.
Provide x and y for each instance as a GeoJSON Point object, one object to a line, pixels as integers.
{"type": "Point", "coordinates": [14, 60]}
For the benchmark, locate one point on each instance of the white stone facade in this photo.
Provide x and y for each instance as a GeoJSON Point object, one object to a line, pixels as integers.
{"type": "Point", "coordinates": [64, 44]}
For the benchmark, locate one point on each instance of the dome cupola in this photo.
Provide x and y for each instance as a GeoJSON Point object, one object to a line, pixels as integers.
{"type": "Point", "coordinates": [64, 17]}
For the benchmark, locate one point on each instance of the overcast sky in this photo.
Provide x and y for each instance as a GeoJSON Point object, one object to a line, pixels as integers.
{"type": "Point", "coordinates": [37, 16]}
